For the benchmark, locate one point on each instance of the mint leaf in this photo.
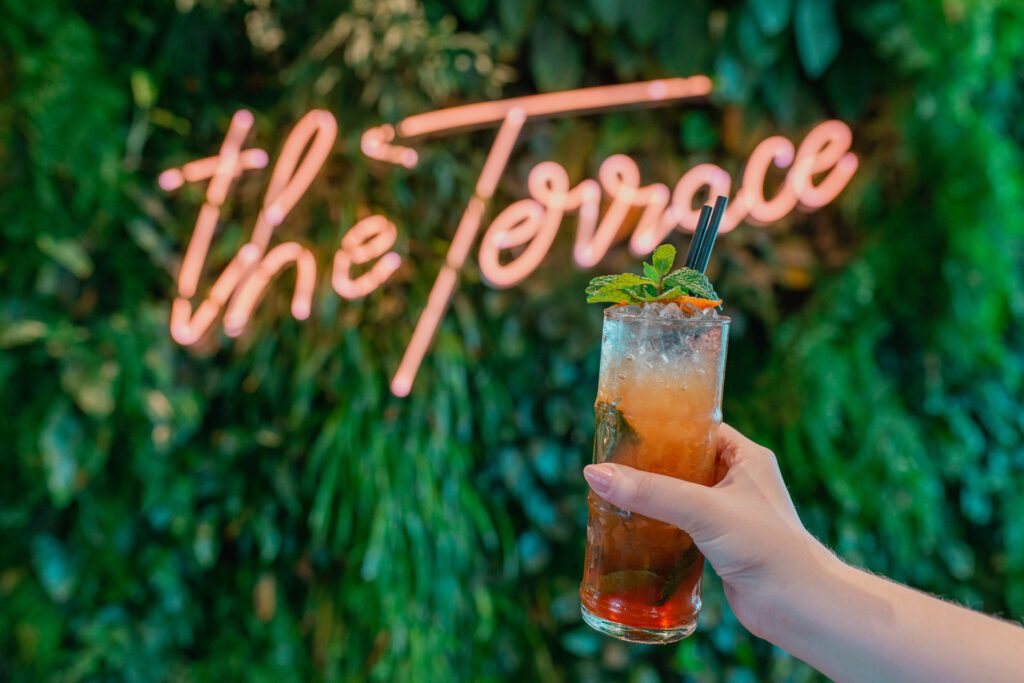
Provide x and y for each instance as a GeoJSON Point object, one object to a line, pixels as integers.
{"type": "Point", "coordinates": [613, 431]}
{"type": "Point", "coordinates": [654, 285]}
{"type": "Point", "coordinates": [663, 258]}
{"type": "Point", "coordinates": [691, 283]}
{"type": "Point", "coordinates": [611, 296]}
{"type": "Point", "coordinates": [652, 273]}
{"type": "Point", "coordinates": [641, 294]}
{"type": "Point", "coordinates": [618, 289]}
{"type": "Point", "coordinates": [675, 576]}
{"type": "Point", "coordinates": [631, 280]}
{"type": "Point", "coordinates": [673, 293]}
{"type": "Point", "coordinates": [602, 282]}
{"type": "Point", "coordinates": [599, 282]}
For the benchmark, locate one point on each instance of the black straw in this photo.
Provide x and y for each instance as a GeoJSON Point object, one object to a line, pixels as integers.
{"type": "Point", "coordinates": [711, 233]}
{"type": "Point", "coordinates": [698, 236]}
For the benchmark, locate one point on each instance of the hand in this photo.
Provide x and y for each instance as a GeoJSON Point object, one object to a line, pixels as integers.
{"type": "Point", "coordinates": [745, 525]}
{"type": "Point", "coordinates": [787, 588]}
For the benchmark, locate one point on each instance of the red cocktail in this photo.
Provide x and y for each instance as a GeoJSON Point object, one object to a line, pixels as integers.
{"type": "Point", "coordinates": [658, 408]}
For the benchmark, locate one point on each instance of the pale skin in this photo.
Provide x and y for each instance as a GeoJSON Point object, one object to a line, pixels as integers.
{"type": "Point", "coordinates": [787, 588]}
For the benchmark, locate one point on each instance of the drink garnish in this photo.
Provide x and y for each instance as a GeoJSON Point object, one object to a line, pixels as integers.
{"type": "Point", "coordinates": [676, 575]}
{"type": "Point", "coordinates": [615, 432]}
{"type": "Point", "coordinates": [659, 283]}
{"type": "Point", "coordinates": [629, 581]}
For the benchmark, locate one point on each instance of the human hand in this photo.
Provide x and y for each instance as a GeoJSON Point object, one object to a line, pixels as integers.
{"type": "Point", "coordinates": [787, 588]}
{"type": "Point", "coordinates": [745, 525]}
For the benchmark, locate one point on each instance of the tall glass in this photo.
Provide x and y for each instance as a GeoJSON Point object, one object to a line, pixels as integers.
{"type": "Point", "coordinates": [658, 408]}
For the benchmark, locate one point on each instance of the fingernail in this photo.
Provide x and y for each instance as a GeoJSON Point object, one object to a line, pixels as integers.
{"type": "Point", "coordinates": [599, 477]}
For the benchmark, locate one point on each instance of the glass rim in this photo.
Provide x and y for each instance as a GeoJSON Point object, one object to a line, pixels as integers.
{"type": "Point", "coordinates": [721, 320]}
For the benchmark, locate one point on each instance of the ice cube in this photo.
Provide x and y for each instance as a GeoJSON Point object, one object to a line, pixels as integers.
{"type": "Point", "coordinates": [671, 310]}
{"type": "Point", "coordinates": [622, 311]}
{"type": "Point", "coordinates": [708, 313]}
{"type": "Point", "coordinates": [652, 310]}
{"type": "Point", "coordinates": [689, 310]}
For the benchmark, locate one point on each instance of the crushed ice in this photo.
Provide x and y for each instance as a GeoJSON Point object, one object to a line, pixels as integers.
{"type": "Point", "coordinates": [671, 310]}
{"type": "Point", "coordinates": [658, 310]}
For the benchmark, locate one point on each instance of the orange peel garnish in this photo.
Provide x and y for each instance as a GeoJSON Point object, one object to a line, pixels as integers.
{"type": "Point", "coordinates": [697, 302]}
{"type": "Point", "coordinates": [693, 301]}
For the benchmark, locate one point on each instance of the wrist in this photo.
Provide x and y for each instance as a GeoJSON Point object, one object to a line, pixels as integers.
{"type": "Point", "coordinates": [810, 579]}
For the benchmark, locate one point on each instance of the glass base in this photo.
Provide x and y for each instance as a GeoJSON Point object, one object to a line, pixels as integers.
{"type": "Point", "coordinates": [636, 634]}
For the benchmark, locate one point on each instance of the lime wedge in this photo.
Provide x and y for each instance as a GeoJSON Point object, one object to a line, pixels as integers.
{"type": "Point", "coordinates": [629, 581]}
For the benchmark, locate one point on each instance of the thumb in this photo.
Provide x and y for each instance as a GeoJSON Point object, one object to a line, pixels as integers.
{"type": "Point", "coordinates": [683, 504]}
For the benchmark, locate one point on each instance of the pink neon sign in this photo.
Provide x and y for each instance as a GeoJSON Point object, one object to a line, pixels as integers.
{"type": "Point", "coordinates": [515, 241]}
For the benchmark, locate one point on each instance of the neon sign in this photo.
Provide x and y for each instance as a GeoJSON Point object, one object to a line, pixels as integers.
{"type": "Point", "coordinates": [517, 239]}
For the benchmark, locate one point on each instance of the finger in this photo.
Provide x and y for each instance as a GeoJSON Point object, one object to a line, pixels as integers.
{"type": "Point", "coordinates": [731, 443]}
{"type": "Point", "coordinates": [728, 444]}
{"type": "Point", "coordinates": [765, 474]}
{"type": "Point", "coordinates": [733, 447]}
{"type": "Point", "coordinates": [683, 504]}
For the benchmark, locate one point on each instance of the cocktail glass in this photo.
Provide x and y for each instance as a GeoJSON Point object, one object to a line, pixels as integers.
{"type": "Point", "coordinates": [658, 409]}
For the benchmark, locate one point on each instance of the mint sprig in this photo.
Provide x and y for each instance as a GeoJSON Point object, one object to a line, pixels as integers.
{"type": "Point", "coordinates": [658, 283]}
{"type": "Point", "coordinates": [692, 283]}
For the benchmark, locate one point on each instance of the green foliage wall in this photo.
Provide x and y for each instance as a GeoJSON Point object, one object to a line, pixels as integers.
{"type": "Point", "coordinates": [264, 509]}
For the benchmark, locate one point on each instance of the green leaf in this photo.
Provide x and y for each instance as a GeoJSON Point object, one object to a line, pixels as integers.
{"type": "Point", "coordinates": [91, 382]}
{"type": "Point", "coordinates": [643, 292]}
{"type": "Point", "coordinates": [515, 17]}
{"type": "Point", "coordinates": [555, 58]}
{"type": "Point", "coordinates": [663, 258]}
{"type": "Point", "coordinates": [625, 288]}
{"type": "Point", "coordinates": [697, 133]}
{"type": "Point", "coordinates": [756, 47]}
{"type": "Point", "coordinates": [611, 296]}
{"type": "Point", "coordinates": [68, 253]}
{"type": "Point", "coordinates": [59, 442]}
{"type": "Point", "coordinates": [56, 571]}
{"type": "Point", "coordinates": [652, 273]}
{"type": "Point", "coordinates": [673, 293]}
{"type": "Point", "coordinates": [817, 35]}
{"type": "Point", "coordinates": [632, 280]}
{"type": "Point", "coordinates": [206, 544]}
{"type": "Point", "coordinates": [734, 79]}
{"type": "Point", "coordinates": [771, 15]}
{"type": "Point", "coordinates": [679, 571]}
{"type": "Point", "coordinates": [605, 11]}
{"type": "Point", "coordinates": [582, 642]}
{"type": "Point", "coordinates": [143, 89]}
{"type": "Point", "coordinates": [691, 283]}
{"type": "Point", "coordinates": [603, 282]}
{"type": "Point", "coordinates": [22, 332]}
{"type": "Point", "coordinates": [612, 431]}
{"type": "Point", "coordinates": [646, 19]}
{"type": "Point", "coordinates": [687, 657]}
{"type": "Point", "coordinates": [471, 9]}
{"type": "Point", "coordinates": [683, 47]}
{"type": "Point", "coordinates": [599, 282]}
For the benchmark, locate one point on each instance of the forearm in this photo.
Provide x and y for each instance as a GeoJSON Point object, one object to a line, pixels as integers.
{"type": "Point", "coordinates": [856, 627]}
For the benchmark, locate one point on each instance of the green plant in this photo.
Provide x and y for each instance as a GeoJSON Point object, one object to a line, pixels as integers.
{"type": "Point", "coordinates": [263, 508]}
{"type": "Point", "coordinates": [659, 283]}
